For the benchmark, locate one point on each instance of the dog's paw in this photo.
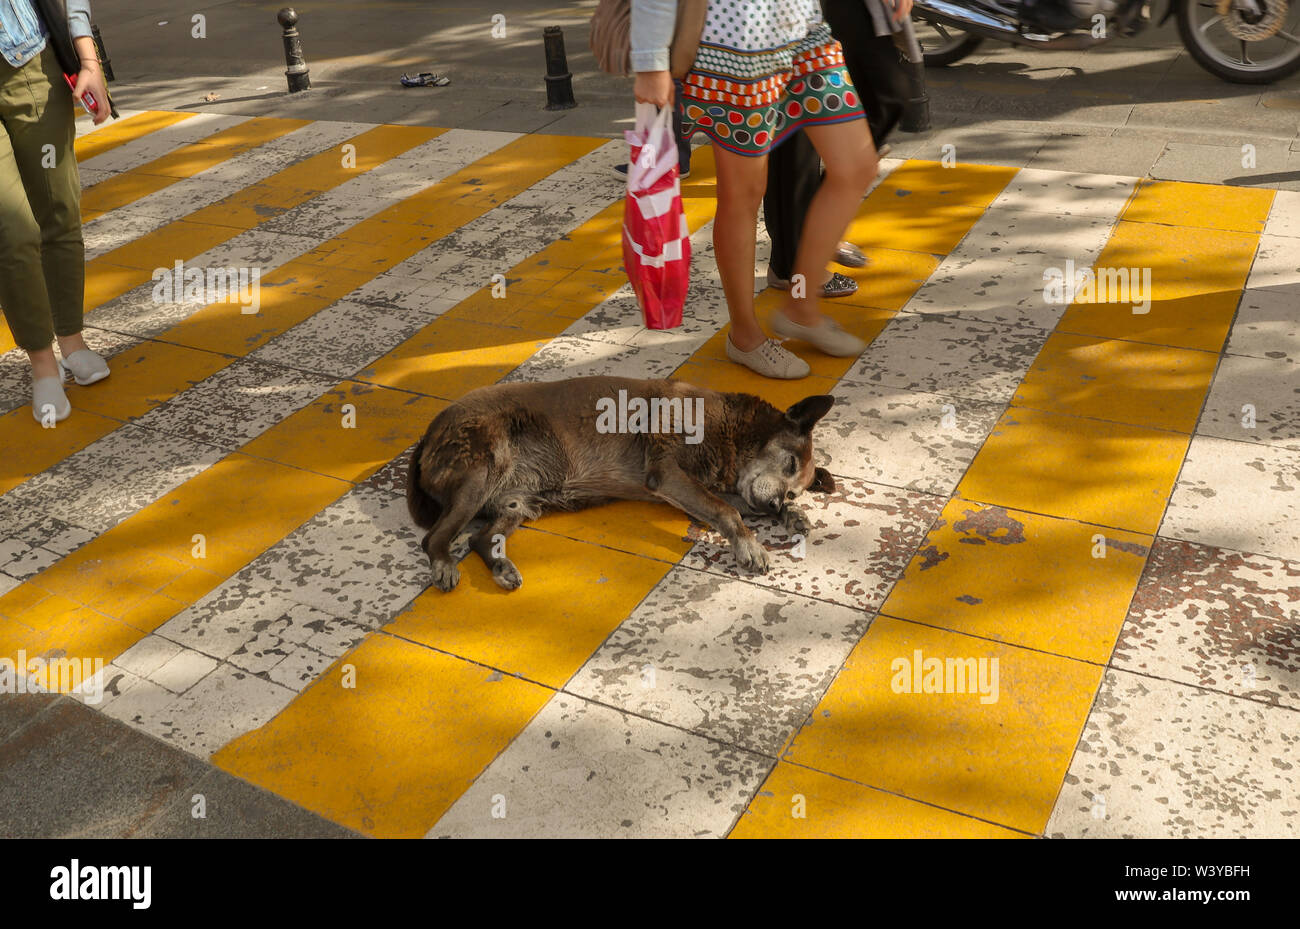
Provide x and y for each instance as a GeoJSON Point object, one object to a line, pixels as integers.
{"type": "Point", "coordinates": [445, 575]}
{"type": "Point", "coordinates": [750, 554]}
{"type": "Point", "coordinates": [796, 521]}
{"type": "Point", "coordinates": [506, 574]}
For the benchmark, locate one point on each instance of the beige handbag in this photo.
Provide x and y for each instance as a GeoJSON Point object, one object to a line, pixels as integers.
{"type": "Point", "coordinates": [611, 43]}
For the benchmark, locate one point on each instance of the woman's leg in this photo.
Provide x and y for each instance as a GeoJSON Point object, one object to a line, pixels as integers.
{"type": "Point", "coordinates": [850, 159]}
{"type": "Point", "coordinates": [23, 293]}
{"type": "Point", "coordinates": [55, 196]}
{"type": "Point", "coordinates": [741, 182]}
{"type": "Point", "coordinates": [793, 175]}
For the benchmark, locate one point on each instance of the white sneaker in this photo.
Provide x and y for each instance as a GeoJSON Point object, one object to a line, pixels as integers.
{"type": "Point", "coordinates": [828, 336]}
{"type": "Point", "coordinates": [770, 360]}
{"type": "Point", "coordinates": [48, 398]}
{"type": "Point", "coordinates": [85, 366]}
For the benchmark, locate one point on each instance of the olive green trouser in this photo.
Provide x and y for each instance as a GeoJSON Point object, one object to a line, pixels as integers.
{"type": "Point", "coordinates": [42, 257]}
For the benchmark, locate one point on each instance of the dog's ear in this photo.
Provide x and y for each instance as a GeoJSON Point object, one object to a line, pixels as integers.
{"type": "Point", "coordinates": [822, 482]}
{"type": "Point", "coordinates": [807, 411]}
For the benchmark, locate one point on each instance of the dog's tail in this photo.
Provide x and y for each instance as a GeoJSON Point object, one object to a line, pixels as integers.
{"type": "Point", "coordinates": [424, 509]}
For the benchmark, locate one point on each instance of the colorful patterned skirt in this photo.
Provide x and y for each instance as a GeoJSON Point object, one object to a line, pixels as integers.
{"type": "Point", "coordinates": [756, 81]}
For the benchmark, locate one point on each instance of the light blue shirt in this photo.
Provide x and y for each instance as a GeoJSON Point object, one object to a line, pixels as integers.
{"type": "Point", "coordinates": [649, 34]}
{"type": "Point", "coordinates": [22, 34]}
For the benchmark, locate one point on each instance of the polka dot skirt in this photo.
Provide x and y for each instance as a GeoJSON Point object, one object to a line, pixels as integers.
{"type": "Point", "coordinates": [765, 69]}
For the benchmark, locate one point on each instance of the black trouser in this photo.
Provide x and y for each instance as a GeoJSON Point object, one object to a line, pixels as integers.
{"type": "Point", "coordinates": [793, 169]}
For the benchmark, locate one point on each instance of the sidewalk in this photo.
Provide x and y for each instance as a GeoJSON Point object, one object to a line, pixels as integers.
{"type": "Point", "coordinates": [1067, 493]}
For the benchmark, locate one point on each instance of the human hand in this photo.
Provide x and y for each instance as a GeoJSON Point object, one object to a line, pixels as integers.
{"type": "Point", "coordinates": [653, 87]}
{"type": "Point", "coordinates": [91, 78]}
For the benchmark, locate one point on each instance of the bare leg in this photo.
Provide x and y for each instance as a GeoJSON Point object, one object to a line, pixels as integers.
{"type": "Point", "coordinates": [741, 182]}
{"type": "Point", "coordinates": [43, 361]}
{"type": "Point", "coordinates": [851, 163]}
{"type": "Point", "coordinates": [43, 364]}
{"type": "Point", "coordinates": [490, 544]}
{"type": "Point", "coordinates": [71, 343]}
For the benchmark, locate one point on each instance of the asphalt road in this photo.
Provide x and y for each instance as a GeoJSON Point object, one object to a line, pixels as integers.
{"type": "Point", "coordinates": [1137, 106]}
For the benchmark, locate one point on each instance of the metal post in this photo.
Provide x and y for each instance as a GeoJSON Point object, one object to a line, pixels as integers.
{"type": "Point", "coordinates": [559, 82]}
{"type": "Point", "coordinates": [297, 71]}
{"type": "Point", "coordinates": [916, 110]}
{"type": "Point", "coordinates": [103, 54]}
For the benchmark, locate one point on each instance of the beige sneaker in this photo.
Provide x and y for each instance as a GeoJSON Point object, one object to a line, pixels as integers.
{"type": "Point", "coordinates": [828, 336]}
{"type": "Point", "coordinates": [770, 360]}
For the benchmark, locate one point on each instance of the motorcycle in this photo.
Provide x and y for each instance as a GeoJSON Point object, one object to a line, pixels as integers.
{"type": "Point", "coordinates": [1268, 46]}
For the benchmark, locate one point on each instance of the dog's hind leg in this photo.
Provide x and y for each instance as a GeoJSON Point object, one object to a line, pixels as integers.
{"type": "Point", "coordinates": [463, 506]}
{"type": "Point", "coordinates": [490, 543]}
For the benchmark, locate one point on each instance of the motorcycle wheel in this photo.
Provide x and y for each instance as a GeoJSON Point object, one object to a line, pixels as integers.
{"type": "Point", "coordinates": [1199, 26]}
{"type": "Point", "coordinates": [943, 45]}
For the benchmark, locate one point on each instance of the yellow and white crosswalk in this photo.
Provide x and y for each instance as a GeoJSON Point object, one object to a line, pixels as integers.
{"type": "Point", "coordinates": [1056, 494]}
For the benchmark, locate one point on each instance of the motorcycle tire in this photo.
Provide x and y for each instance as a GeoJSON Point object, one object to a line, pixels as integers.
{"type": "Point", "coordinates": [952, 52]}
{"type": "Point", "coordinates": [1188, 32]}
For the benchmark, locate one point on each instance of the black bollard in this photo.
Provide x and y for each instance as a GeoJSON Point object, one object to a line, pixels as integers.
{"type": "Point", "coordinates": [296, 72]}
{"type": "Point", "coordinates": [916, 109]}
{"type": "Point", "coordinates": [559, 82]}
{"type": "Point", "coordinates": [103, 54]}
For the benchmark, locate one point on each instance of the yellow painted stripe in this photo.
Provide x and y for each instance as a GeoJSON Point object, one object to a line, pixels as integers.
{"type": "Point", "coordinates": [924, 207]}
{"type": "Point", "coordinates": [1050, 584]}
{"type": "Point", "coordinates": [799, 803]}
{"type": "Point", "coordinates": [1127, 382]}
{"type": "Point", "coordinates": [350, 432]}
{"type": "Point", "coordinates": [186, 161]}
{"type": "Point", "coordinates": [432, 723]}
{"type": "Point", "coordinates": [1001, 761]}
{"type": "Point", "coordinates": [123, 131]}
{"type": "Point", "coordinates": [1196, 274]}
{"type": "Point", "coordinates": [1203, 206]}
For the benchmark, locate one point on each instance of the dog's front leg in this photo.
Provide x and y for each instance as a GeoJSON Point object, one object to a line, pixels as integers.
{"type": "Point", "coordinates": [796, 521]}
{"type": "Point", "coordinates": [793, 518]}
{"type": "Point", "coordinates": [670, 483]}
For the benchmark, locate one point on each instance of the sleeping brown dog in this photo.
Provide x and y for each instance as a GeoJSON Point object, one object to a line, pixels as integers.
{"type": "Point", "coordinates": [512, 452]}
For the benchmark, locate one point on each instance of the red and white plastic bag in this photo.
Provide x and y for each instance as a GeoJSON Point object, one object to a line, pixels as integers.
{"type": "Point", "coordinates": [656, 242]}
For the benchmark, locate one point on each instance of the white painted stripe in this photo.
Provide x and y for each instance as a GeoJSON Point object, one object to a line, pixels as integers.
{"type": "Point", "coordinates": [119, 226]}
{"type": "Point", "coordinates": [1277, 266]}
{"type": "Point", "coordinates": [1284, 217]}
{"type": "Point", "coordinates": [160, 142]}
